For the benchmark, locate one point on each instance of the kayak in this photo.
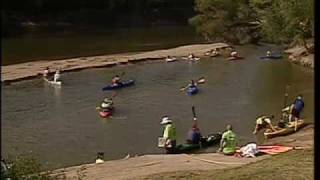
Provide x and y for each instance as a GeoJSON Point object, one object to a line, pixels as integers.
{"type": "Point", "coordinates": [285, 131]}
{"type": "Point", "coordinates": [192, 90]}
{"type": "Point", "coordinates": [105, 114]}
{"type": "Point", "coordinates": [171, 59]}
{"type": "Point", "coordinates": [278, 56]}
{"type": "Point", "coordinates": [209, 140]}
{"type": "Point", "coordinates": [58, 83]}
{"type": "Point", "coordinates": [123, 84]}
{"type": "Point", "coordinates": [191, 59]}
{"type": "Point", "coordinates": [234, 58]}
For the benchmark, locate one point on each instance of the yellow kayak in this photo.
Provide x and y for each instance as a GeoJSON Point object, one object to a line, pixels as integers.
{"type": "Point", "coordinates": [292, 128]}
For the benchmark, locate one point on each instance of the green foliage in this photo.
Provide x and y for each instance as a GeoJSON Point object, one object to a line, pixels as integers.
{"type": "Point", "coordinates": [277, 21]}
{"type": "Point", "coordinates": [26, 168]}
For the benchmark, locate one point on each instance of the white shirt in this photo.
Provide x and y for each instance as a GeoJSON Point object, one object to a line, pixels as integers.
{"type": "Point", "coordinates": [261, 119]}
{"type": "Point", "coordinates": [56, 77]}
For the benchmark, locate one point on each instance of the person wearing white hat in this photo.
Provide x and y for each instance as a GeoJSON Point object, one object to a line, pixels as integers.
{"type": "Point", "coordinates": [169, 134]}
{"type": "Point", "coordinates": [56, 76]}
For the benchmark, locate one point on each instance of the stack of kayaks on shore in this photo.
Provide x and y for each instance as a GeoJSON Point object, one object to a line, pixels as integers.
{"type": "Point", "coordinates": [209, 140]}
{"type": "Point", "coordinates": [118, 86]}
{"type": "Point", "coordinates": [291, 128]}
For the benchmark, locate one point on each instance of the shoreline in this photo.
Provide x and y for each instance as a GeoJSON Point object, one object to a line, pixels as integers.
{"type": "Point", "coordinates": [148, 165]}
{"type": "Point", "coordinates": [34, 69]}
{"type": "Point", "coordinates": [299, 55]}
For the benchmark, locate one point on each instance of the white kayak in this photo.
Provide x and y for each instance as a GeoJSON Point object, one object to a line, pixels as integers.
{"type": "Point", "coordinates": [191, 59]}
{"type": "Point", "coordinates": [58, 83]}
{"type": "Point", "coordinates": [171, 59]}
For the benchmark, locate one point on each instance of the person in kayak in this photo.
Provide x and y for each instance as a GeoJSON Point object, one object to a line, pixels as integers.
{"type": "Point", "coordinates": [228, 142]}
{"type": "Point", "coordinates": [169, 134]}
{"type": "Point", "coordinates": [234, 54]}
{"type": "Point", "coordinates": [297, 107]}
{"type": "Point", "coordinates": [56, 76]}
{"type": "Point", "coordinates": [116, 80]}
{"type": "Point", "coordinates": [192, 84]}
{"type": "Point", "coordinates": [107, 104]}
{"type": "Point", "coordinates": [268, 53]}
{"type": "Point", "coordinates": [194, 134]}
{"type": "Point", "coordinates": [46, 72]}
{"type": "Point", "coordinates": [191, 56]}
{"type": "Point", "coordinates": [263, 122]}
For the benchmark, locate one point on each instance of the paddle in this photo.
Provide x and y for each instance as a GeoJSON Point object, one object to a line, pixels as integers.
{"type": "Point", "coordinates": [286, 94]}
{"type": "Point", "coordinates": [194, 112]}
{"type": "Point", "coordinates": [112, 96]}
{"type": "Point", "coordinates": [199, 81]}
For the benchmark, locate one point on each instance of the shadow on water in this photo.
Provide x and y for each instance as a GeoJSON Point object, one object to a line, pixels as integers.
{"type": "Point", "coordinates": [62, 127]}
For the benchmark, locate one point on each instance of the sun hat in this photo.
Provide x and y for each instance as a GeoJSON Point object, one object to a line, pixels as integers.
{"type": "Point", "coordinates": [165, 120]}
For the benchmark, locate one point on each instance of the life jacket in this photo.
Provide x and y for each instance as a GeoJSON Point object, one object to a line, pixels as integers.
{"type": "Point", "coordinates": [298, 105]}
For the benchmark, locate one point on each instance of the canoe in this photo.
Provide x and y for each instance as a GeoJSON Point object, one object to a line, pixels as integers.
{"type": "Point", "coordinates": [209, 140]}
{"type": "Point", "coordinates": [285, 131]}
{"type": "Point", "coordinates": [276, 56]}
{"type": "Point", "coordinates": [58, 83]}
{"type": "Point", "coordinates": [192, 90]}
{"type": "Point", "coordinates": [171, 59]}
{"type": "Point", "coordinates": [123, 84]}
{"type": "Point", "coordinates": [234, 58]}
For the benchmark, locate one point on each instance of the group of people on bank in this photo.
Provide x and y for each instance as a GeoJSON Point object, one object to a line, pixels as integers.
{"type": "Point", "coordinates": [229, 140]}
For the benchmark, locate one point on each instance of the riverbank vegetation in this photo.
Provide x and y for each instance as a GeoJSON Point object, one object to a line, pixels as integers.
{"type": "Point", "coordinates": [291, 165]}
{"type": "Point", "coordinates": [20, 16]}
{"type": "Point", "coordinates": [248, 21]}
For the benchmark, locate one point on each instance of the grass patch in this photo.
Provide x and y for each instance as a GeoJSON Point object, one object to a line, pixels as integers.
{"type": "Point", "coordinates": [293, 165]}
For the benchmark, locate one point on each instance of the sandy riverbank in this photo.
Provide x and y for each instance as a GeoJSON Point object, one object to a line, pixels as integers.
{"type": "Point", "coordinates": [137, 167]}
{"type": "Point", "coordinates": [35, 69]}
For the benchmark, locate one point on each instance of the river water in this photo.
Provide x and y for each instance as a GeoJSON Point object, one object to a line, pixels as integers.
{"type": "Point", "coordinates": [61, 127]}
{"type": "Point", "coordinates": [47, 45]}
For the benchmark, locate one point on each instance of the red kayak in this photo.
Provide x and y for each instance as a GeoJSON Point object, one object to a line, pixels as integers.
{"type": "Point", "coordinates": [105, 114]}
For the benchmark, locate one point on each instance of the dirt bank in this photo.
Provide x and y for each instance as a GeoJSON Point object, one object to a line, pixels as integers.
{"type": "Point", "coordinates": [300, 55]}
{"type": "Point", "coordinates": [34, 69]}
{"type": "Point", "coordinates": [136, 167]}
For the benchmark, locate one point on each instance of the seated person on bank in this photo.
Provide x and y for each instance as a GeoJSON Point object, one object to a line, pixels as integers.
{"type": "Point", "coordinates": [228, 142]}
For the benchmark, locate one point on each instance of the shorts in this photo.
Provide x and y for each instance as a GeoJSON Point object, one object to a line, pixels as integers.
{"type": "Point", "coordinates": [295, 113]}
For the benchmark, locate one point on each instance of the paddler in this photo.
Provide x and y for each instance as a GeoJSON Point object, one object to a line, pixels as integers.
{"type": "Point", "coordinates": [228, 142]}
{"type": "Point", "coordinates": [116, 80]}
{"type": "Point", "coordinates": [169, 134]}
{"type": "Point", "coordinates": [46, 72]}
{"type": "Point", "coordinates": [194, 134]}
{"type": "Point", "coordinates": [192, 84]}
{"type": "Point", "coordinates": [56, 76]}
{"type": "Point", "coordinates": [107, 104]}
{"type": "Point", "coordinates": [234, 54]}
{"type": "Point", "coordinates": [191, 56]}
{"type": "Point", "coordinates": [263, 122]}
{"type": "Point", "coordinates": [268, 53]}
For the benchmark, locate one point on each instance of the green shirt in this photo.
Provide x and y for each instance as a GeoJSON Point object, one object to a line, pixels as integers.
{"type": "Point", "coordinates": [229, 138]}
{"type": "Point", "coordinates": [169, 132]}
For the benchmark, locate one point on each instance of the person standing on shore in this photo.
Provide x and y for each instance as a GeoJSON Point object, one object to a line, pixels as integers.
{"type": "Point", "coordinates": [169, 134]}
{"type": "Point", "coordinates": [298, 106]}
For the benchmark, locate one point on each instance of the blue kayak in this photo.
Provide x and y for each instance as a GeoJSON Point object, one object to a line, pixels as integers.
{"type": "Point", "coordinates": [192, 90]}
{"type": "Point", "coordinates": [278, 56]}
{"type": "Point", "coordinates": [118, 86]}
